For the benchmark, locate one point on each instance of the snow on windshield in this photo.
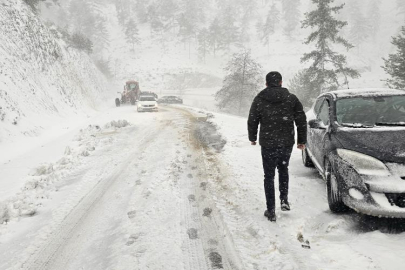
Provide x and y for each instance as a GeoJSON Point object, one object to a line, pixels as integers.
{"type": "Point", "coordinates": [371, 111]}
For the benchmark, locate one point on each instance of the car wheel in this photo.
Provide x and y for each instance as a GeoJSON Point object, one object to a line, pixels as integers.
{"type": "Point", "coordinates": [132, 101]}
{"type": "Point", "coordinates": [335, 200]}
{"type": "Point", "coordinates": [306, 159]}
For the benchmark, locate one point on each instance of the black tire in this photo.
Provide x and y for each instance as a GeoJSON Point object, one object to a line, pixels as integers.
{"type": "Point", "coordinates": [306, 159]}
{"type": "Point", "coordinates": [333, 189]}
{"type": "Point", "coordinates": [133, 101]}
{"type": "Point", "coordinates": [117, 102]}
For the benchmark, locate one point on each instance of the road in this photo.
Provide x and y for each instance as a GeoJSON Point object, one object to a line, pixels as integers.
{"type": "Point", "coordinates": [154, 195]}
{"type": "Point", "coordinates": [142, 197]}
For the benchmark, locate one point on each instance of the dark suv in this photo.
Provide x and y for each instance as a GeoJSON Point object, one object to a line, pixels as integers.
{"type": "Point", "coordinates": [356, 140]}
{"type": "Point", "coordinates": [170, 100]}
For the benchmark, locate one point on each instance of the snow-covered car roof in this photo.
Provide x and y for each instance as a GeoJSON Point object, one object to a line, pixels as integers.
{"type": "Point", "coordinates": [365, 92]}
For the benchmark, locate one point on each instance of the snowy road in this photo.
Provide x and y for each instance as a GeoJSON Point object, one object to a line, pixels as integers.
{"type": "Point", "coordinates": [142, 197]}
{"type": "Point", "coordinates": [151, 196]}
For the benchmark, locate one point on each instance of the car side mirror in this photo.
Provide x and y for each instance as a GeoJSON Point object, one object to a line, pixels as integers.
{"type": "Point", "coordinates": [316, 124]}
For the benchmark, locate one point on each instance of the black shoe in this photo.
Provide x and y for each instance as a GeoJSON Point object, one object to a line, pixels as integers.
{"type": "Point", "coordinates": [285, 206]}
{"type": "Point", "coordinates": [271, 215]}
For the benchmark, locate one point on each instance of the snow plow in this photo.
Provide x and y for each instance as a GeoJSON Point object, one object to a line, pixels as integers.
{"type": "Point", "coordinates": [130, 94]}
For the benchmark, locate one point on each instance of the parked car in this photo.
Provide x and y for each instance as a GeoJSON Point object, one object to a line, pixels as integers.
{"type": "Point", "coordinates": [170, 100]}
{"type": "Point", "coordinates": [147, 103]}
{"type": "Point", "coordinates": [356, 140]}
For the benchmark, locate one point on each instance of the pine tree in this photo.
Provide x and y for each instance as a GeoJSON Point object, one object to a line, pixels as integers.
{"type": "Point", "coordinates": [141, 11]}
{"type": "Point", "coordinates": [132, 33]}
{"type": "Point", "coordinates": [228, 24]}
{"type": "Point", "coordinates": [168, 12]}
{"type": "Point", "coordinates": [359, 25]}
{"type": "Point", "coordinates": [33, 4]}
{"type": "Point", "coordinates": [215, 37]}
{"type": "Point", "coordinates": [81, 42]}
{"type": "Point", "coordinates": [124, 10]}
{"type": "Point", "coordinates": [269, 27]}
{"type": "Point", "coordinates": [203, 43]}
{"type": "Point", "coordinates": [156, 22]}
{"type": "Point", "coordinates": [82, 18]}
{"type": "Point", "coordinates": [241, 84]}
{"type": "Point", "coordinates": [301, 86]}
{"type": "Point", "coordinates": [327, 65]}
{"type": "Point", "coordinates": [395, 64]}
{"type": "Point", "coordinates": [291, 15]}
{"type": "Point", "coordinates": [374, 17]}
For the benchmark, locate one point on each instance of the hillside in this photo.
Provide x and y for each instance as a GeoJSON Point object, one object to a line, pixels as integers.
{"type": "Point", "coordinates": [42, 80]}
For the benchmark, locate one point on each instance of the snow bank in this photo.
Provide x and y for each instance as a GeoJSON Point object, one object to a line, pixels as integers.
{"type": "Point", "coordinates": [207, 134]}
{"type": "Point", "coordinates": [41, 79]}
{"type": "Point", "coordinates": [44, 179]}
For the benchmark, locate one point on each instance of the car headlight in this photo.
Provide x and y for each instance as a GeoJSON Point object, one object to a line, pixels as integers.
{"type": "Point", "coordinates": [364, 164]}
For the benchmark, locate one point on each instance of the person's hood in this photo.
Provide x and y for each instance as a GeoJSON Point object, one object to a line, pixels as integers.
{"type": "Point", "coordinates": [274, 94]}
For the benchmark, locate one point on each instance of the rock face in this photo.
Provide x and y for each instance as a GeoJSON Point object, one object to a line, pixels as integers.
{"type": "Point", "coordinates": [40, 75]}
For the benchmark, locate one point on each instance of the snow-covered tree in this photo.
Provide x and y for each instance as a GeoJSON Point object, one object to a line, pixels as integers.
{"type": "Point", "coordinates": [302, 87]}
{"type": "Point", "coordinates": [168, 10]}
{"type": "Point", "coordinates": [395, 64]}
{"type": "Point", "coordinates": [291, 15]}
{"type": "Point", "coordinates": [125, 9]}
{"type": "Point", "coordinates": [327, 66]}
{"type": "Point", "coordinates": [359, 24]}
{"type": "Point", "coordinates": [215, 38]}
{"type": "Point", "coordinates": [203, 43]}
{"type": "Point", "coordinates": [81, 42]}
{"type": "Point", "coordinates": [229, 26]}
{"type": "Point", "coordinates": [81, 18]}
{"type": "Point", "coordinates": [241, 84]}
{"type": "Point", "coordinates": [374, 16]}
{"type": "Point", "coordinates": [155, 19]}
{"type": "Point", "coordinates": [141, 10]}
{"type": "Point", "coordinates": [269, 27]}
{"type": "Point", "coordinates": [33, 4]}
{"type": "Point", "coordinates": [132, 33]}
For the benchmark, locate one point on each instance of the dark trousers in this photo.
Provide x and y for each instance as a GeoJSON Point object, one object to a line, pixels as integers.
{"type": "Point", "coordinates": [275, 158]}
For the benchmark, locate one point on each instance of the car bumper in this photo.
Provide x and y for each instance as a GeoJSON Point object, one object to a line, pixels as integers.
{"type": "Point", "coordinates": [371, 195]}
{"type": "Point", "coordinates": [148, 109]}
{"type": "Point", "coordinates": [378, 207]}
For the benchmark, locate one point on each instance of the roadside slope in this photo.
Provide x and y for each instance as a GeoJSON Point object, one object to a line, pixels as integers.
{"type": "Point", "coordinates": [42, 80]}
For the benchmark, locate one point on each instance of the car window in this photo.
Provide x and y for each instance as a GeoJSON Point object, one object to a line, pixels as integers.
{"type": "Point", "coordinates": [318, 104]}
{"type": "Point", "coordinates": [323, 114]}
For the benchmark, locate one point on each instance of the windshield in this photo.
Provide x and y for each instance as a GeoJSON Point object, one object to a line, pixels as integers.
{"type": "Point", "coordinates": [371, 111]}
{"type": "Point", "coordinates": [147, 99]}
{"type": "Point", "coordinates": [133, 86]}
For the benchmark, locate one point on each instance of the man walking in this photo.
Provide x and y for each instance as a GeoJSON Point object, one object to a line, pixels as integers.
{"type": "Point", "coordinates": [276, 110]}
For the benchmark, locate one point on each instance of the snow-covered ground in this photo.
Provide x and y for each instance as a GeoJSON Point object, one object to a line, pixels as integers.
{"type": "Point", "coordinates": [162, 191]}
{"type": "Point", "coordinates": [84, 185]}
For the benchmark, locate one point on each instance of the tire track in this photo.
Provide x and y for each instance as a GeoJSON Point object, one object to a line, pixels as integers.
{"type": "Point", "coordinates": [52, 250]}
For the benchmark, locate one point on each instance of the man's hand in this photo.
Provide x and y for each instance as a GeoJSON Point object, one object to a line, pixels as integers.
{"type": "Point", "coordinates": [301, 146]}
{"type": "Point", "coordinates": [253, 143]}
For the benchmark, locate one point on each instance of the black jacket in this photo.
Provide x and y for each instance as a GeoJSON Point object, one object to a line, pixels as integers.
{"type": "Point", "coordinates": [276, 110]}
